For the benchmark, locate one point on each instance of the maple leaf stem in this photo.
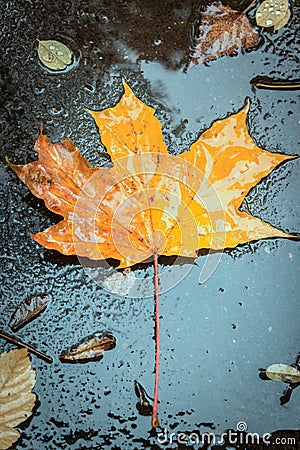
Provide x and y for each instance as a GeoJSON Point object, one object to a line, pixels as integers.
{"type": "Point", "coordinates": [155, 421]}
{"type": "Point", "coordinates": [15, 341]}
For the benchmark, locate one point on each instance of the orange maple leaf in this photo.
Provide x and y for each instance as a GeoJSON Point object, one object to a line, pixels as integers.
{"type": "Point", "coordinates": [150, 203]}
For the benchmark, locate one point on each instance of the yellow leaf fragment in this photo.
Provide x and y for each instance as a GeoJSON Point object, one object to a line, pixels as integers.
{"type": "Point", "coordinates": [16, 399]}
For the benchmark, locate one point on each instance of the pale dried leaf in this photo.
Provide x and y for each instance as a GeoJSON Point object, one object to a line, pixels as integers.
{"type": "Point", "coordinates": [54, 54]}
{"type": "Point", "coordinates": [283, 372]}
{"type": "Point", "coordinates": [284, 20]}
{"type": "Point", "coordinates": [7, 436]}
{"type": "Point", "coordinates": [16, 399]}
{"type": "Point", "coordinates": [273, 13]}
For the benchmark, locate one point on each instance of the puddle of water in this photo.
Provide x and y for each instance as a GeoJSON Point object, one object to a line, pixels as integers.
{"type": "Point", "coordinates": [209, 368]}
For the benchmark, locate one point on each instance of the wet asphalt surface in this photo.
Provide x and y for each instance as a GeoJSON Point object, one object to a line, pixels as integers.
{"type": "Point", "coordinates": [216, 334]}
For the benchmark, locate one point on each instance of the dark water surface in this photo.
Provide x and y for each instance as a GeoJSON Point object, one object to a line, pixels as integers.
{"type": "Point", "coordinates": [215, 335]}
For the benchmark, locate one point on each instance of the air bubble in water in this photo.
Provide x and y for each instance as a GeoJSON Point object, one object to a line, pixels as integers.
{"type": "Point", "coordinates": [38, 90]}
{"type": "Point", "coordinates": [103, 18]}
{"type": "Point", "coordinates": [55, 110]}
{"type": "Point", "coordinates": [89, 88]}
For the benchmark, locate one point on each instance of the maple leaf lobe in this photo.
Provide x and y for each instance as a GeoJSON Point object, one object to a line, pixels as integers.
{"type": "Point", "coordinates": [129, 128]}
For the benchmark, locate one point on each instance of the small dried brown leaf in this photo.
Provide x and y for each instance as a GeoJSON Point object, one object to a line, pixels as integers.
{"type": "Point", "coordinates": [28, 310]}
{"type": "Point", "coordinates": [90, 348]}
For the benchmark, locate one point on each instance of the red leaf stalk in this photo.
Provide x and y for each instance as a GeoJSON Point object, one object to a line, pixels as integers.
{"type": "Point", "coordinates": [155, 421]}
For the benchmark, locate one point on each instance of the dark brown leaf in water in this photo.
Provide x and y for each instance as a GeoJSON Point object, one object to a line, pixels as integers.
{"type": "Point", "coordinates": [221, 31]}
{"type": "Point", "coordinates": [286, 396]}
{"type": "Point", "coordinates": [90, 348]}
{"type": "Point", "coordinates": [28, 310]}
{"type": "Point", "coordinates": [143, 406]}
{"type": "Point", "coordinates": [141, 393]}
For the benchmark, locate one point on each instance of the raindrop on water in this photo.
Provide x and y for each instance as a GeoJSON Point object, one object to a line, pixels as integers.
{"type": "Point", "coordinates": [89, 88]}
{"type": "Point", "coordinates": [55, 110]}
{"type": "Point", "coordinates": [38, 90]}
{"type": "Point", "coordinates": [103, 18]}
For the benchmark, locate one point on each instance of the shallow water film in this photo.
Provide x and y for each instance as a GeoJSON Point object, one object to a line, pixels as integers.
{"type": "Point", "coordinates": [223, 316]}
